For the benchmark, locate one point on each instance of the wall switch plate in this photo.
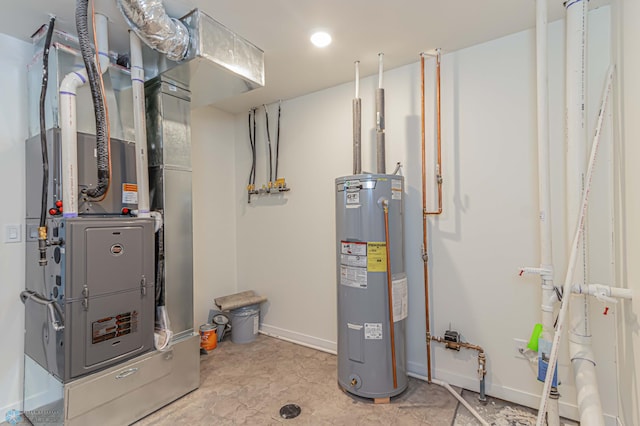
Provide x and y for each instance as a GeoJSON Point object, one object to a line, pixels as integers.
{"type": "Point", "coordinates": [13, 233]}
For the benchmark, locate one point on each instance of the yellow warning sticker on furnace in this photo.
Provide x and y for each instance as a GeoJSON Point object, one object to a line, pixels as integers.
{"type": "Point", "coordinates": [129, 193]}
{"type": "Point", "coordinates": [376, 257]}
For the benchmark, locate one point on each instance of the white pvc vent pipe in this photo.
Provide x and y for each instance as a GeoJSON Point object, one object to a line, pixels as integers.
{"type": "Point", "coordinates": [139, 123]}
{"type": "Point", "coordinates": [68, 119]}
{"type": "Point", "coordinates": [544, 188]}
{"type": "Point", "coordinates": [588, 391]}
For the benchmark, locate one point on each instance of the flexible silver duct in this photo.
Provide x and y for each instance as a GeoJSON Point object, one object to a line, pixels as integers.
{"type": "Point", "coordinates": [149, 20]}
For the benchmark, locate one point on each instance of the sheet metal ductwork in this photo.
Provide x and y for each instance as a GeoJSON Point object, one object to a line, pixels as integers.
{"type": "Point", "coordinates": [149, 20]}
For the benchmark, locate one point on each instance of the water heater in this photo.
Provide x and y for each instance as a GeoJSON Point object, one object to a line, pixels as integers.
{"type": "Point", "coordinates": [372, 285]}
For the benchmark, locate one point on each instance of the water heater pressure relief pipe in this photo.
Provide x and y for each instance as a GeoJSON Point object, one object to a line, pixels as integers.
{"type": "Point", "coordinates": [385, 207]}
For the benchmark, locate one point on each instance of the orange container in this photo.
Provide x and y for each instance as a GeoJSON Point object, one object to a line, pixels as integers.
{"type": "Point", "coordinates": [208, 337]}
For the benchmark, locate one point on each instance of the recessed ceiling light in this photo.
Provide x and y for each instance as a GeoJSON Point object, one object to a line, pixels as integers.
{"type": "Point", "coordinates": [321, 39]}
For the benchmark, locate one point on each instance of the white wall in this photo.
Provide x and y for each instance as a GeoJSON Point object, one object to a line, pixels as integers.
{"type": "Point", "coordinates": [286, 243]}
{"type": "Point", "coordinates": [214, 214]}
{"type": "Point", "coordinates": [626, 17]}
{"type": "Point", "coordinates": [13, 132]}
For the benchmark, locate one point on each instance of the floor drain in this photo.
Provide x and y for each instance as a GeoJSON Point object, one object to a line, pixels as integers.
{"type": "Point", "coordinates": [290, 411]}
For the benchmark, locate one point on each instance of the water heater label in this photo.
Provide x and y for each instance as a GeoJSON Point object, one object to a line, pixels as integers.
{"type": "Point", "coordinates": [352, 276]}
{"type": "Point", "coordinates": [353, 197]}
{"type": "Point", "coordinates": [400, 297]}
{"type": "Point", "coordinates": [129, 193]}
{"type": "Point", "coordinates": [396, 189]}
{"type": "Point", "coordinates": [355, 248]}
{"type": "Point", "coordinates": [373, 330]}
{"type": "Point", "coordinates": [376, 257]}
{"type": "Point", "coordinates": [350, 260]}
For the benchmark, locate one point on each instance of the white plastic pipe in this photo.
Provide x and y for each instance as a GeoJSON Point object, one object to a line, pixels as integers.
{"type": "Point", "coordinates": [462, 400]}
{"type": "Point", "coordinates": [68, 120]}
{"type": "Point", "coordinates": [357, 63]}
{"type": "Point", "coordinates": [544, 188]}
{"type": "Point", "coordinates": [603, 292]}
{"type": "Point", "coordinates": [586, 395]}
{"type": "Point", "coordinates": [380, 70]}
{"type": "Point", "coordinates": [580, 350]}
{"type": "Point", "coordinates": [139, 123]}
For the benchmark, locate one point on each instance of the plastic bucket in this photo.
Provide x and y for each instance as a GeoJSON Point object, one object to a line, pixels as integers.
{"type": "Point", "coordinates": [244, 324]}
{"type": "Point", "coordinates": [208, 337]}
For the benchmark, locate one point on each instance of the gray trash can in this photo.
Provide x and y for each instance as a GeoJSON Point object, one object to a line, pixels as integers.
{"type": "Point", "coordinates": [244, 324]}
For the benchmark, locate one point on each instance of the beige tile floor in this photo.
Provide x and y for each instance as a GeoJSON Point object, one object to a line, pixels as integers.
{"type": "Point", "coordinates": [248, 384]}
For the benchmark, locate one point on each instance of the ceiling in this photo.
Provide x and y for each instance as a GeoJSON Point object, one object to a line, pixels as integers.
{"type": "Point", "coordinates": [360, 30]}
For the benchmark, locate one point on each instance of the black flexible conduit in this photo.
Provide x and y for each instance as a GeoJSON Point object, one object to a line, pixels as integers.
{"type": "Point", "coordinates": [254, 147]}
{"type": "Point", "coordinates": [266, 119]}
{"type": "Point", "coordinates": [43, 125]}
{"type": "Point", "coordinates": [278, 139]}
{"type": "Point", "coordinates": [252, 141]}
{"type": "Point", "coordinates": [82, 26]}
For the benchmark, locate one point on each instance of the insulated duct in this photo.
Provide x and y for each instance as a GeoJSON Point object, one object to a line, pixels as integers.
{"type": "Point", "coordinates": [149, 20]}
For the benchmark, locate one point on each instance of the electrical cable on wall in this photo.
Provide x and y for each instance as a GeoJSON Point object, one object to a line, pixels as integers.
{"type": "Point", "coordinates": [42, 230]}
{"type": "Point", "coordinates": [278, 138]}
{"type": "Point", "coordinates": [251, 186]}
{"type": "Point", "coordinates": [275, 184]}
{"type": "Point", "coordinates": [266, 118]}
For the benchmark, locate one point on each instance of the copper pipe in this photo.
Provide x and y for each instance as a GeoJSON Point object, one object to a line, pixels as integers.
{"type": "Point", "coordinates": [425, 212]}
{"type": "Point", "coordinates": [385, 205]}
{"type": "Point", "coordinates": [425, 258]}
{"type": "Point", "coordinates": [438, 136]}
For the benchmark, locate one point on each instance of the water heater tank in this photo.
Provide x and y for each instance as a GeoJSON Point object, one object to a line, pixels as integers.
{"type": "Point", "coordinates": [365, 356]}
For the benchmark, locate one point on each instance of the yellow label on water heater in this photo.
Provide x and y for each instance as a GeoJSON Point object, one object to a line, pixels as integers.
{"type": "Point", "coordinates": [376, 257]}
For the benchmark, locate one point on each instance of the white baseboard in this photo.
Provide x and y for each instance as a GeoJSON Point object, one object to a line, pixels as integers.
{"type": "Point", "coordinates": [419, 371]}
{"type": "Point", "coordinates": [527, 399]}
{"type": "Point", "coordinates": [299, 338]}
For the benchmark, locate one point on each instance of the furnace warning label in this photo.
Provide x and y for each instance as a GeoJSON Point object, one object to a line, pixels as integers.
{"type": "Point", "coordinates": [115, 326]}
{"type": "Point", "coordinates": [376, 257]}
{"type": "Point", "coordinates": [352, 276]}
{"type": "Point", "coordinates": [400, 298]}
{"type": "Point", "coordinates": [129, 193]}
{"type": "Point", "coordinates": [373, 330]}
{"type": "Point", "coordinates": [396, 189]}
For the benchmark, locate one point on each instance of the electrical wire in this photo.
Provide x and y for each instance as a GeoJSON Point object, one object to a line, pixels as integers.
{"type": "Point", "coordinates": [254, 147]}
{"type": "Point", "coordinates": [266, 117]}
{"type": "Point", "coordinates": [43, 126]}
{"type": "Point", "coordinates": [106, 105]}
{"type": "Point", "coordinates": [278, 139]}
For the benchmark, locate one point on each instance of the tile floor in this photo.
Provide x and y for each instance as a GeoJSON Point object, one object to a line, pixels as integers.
{"type": "Point", "coordinates": [248, 384]}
